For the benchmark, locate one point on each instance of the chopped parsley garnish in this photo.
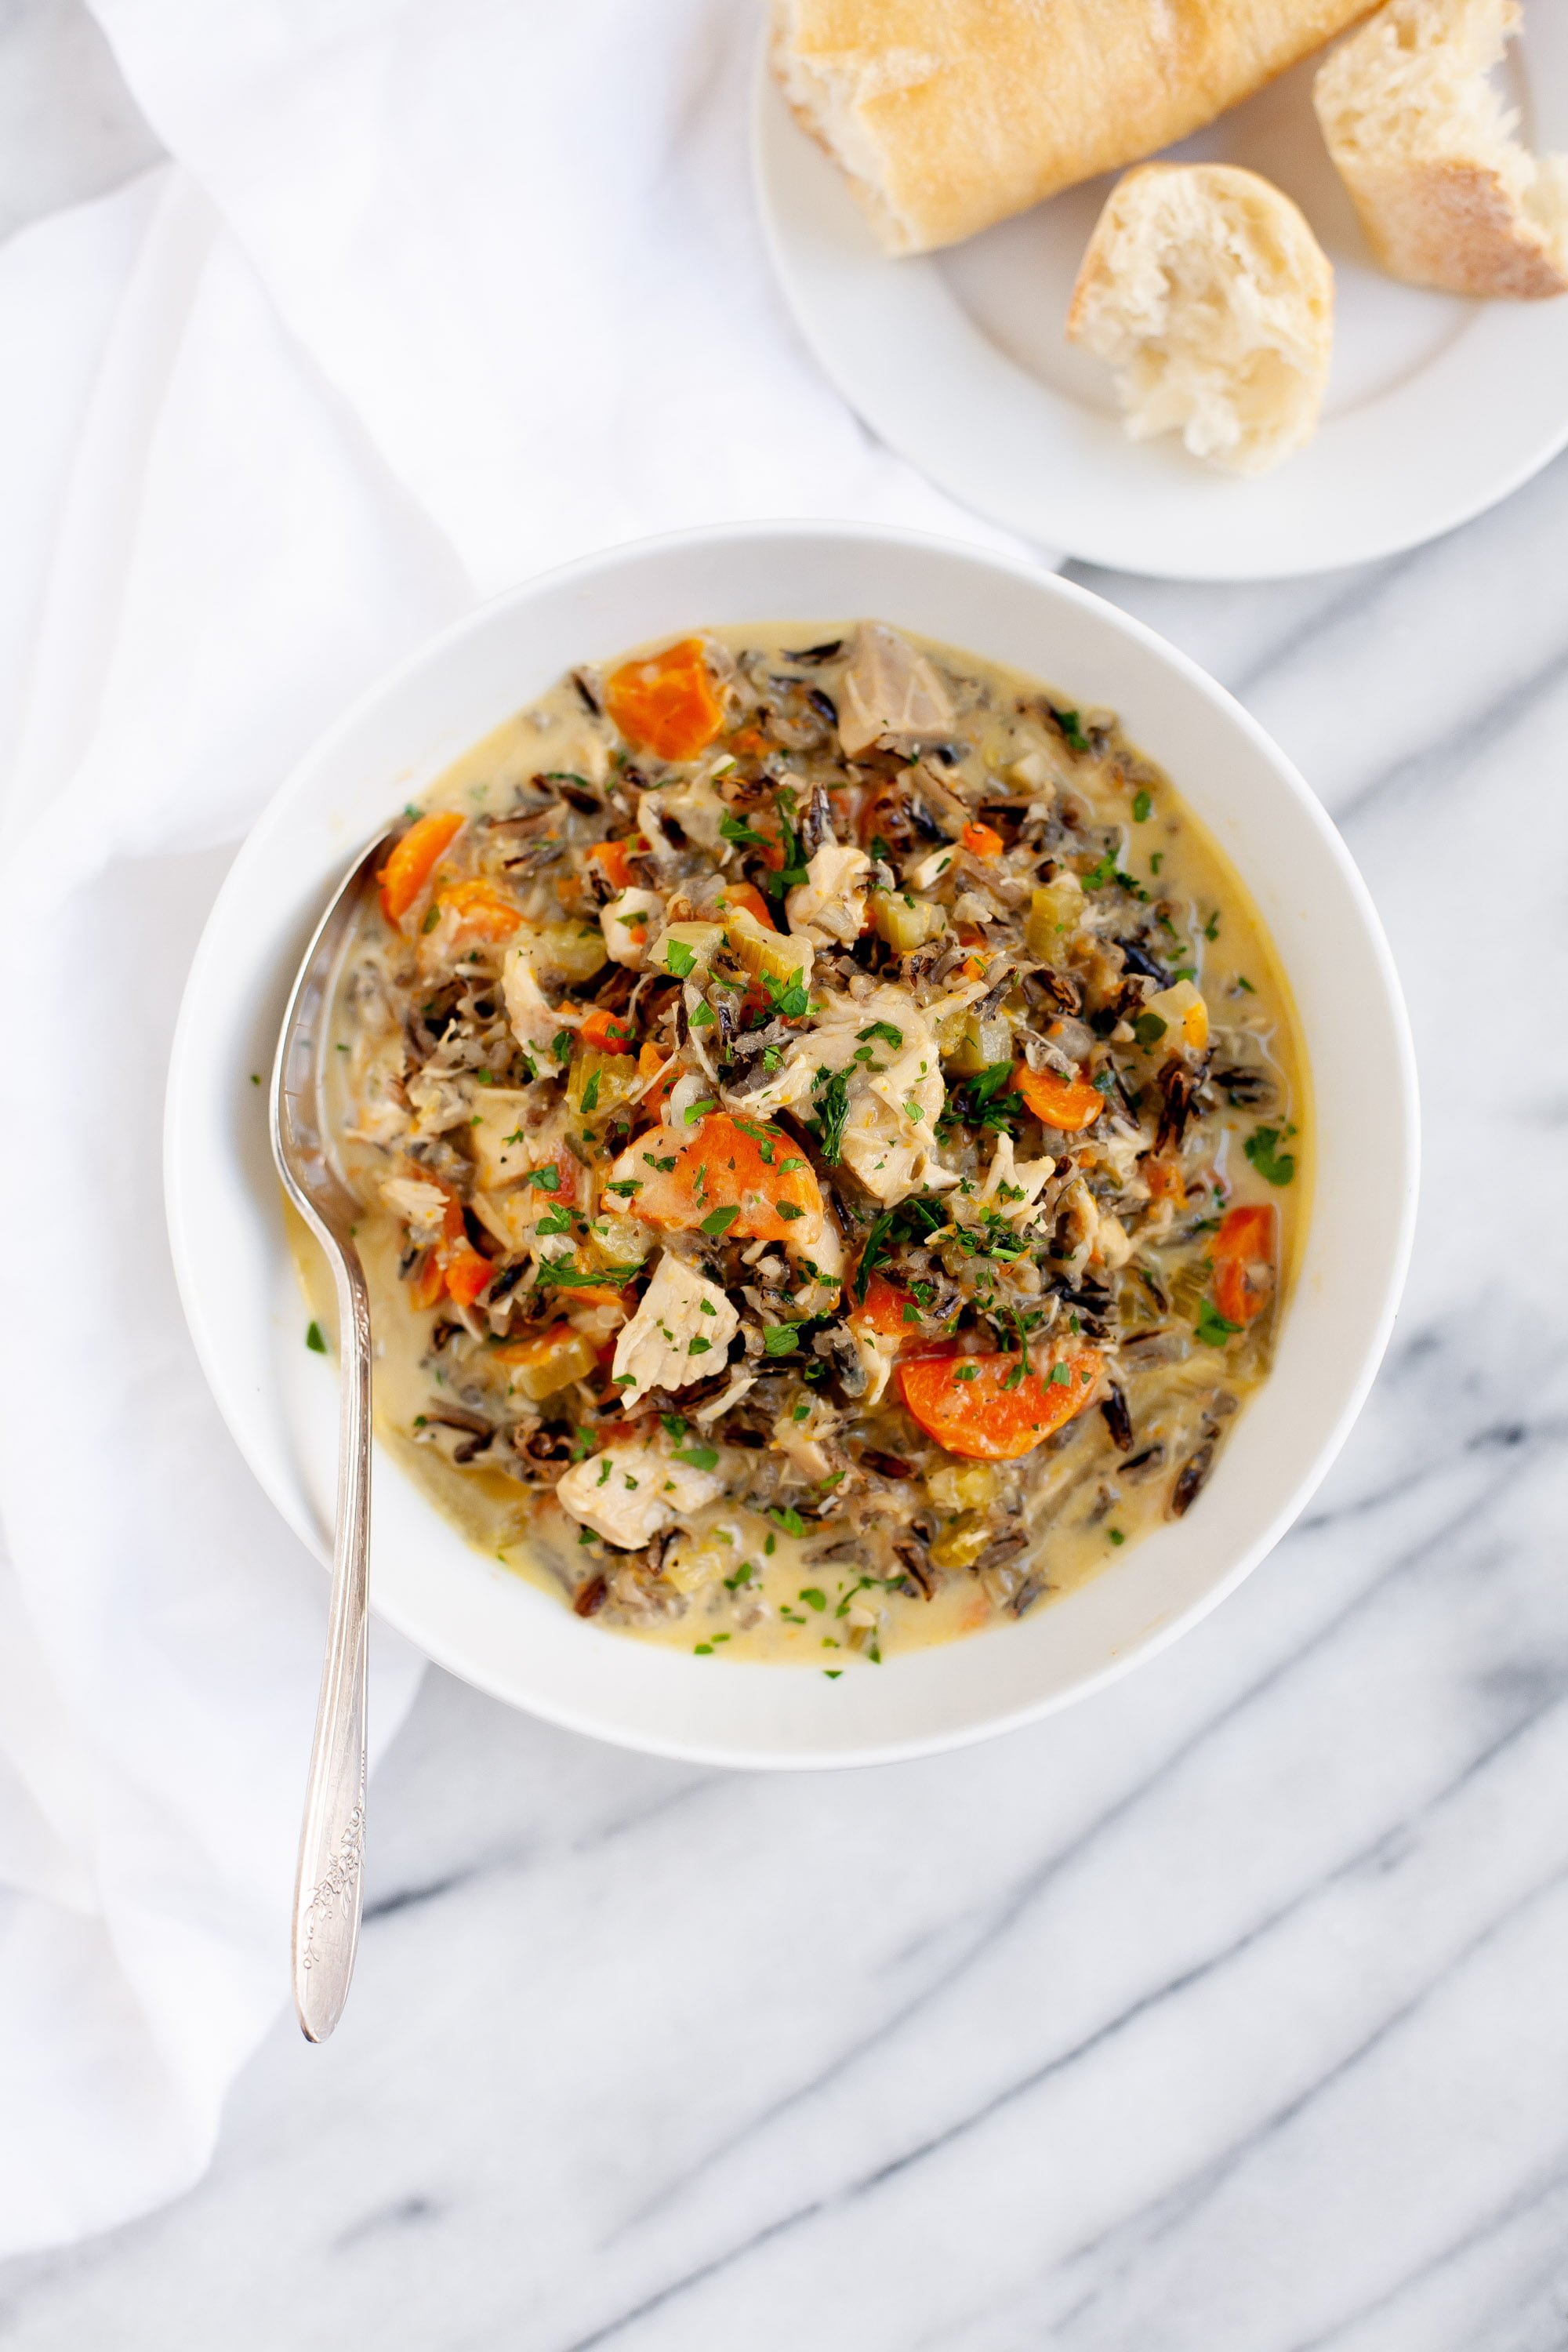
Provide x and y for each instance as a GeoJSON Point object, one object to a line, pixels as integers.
{"type": "Point", "coordinates": [701, 1457]}
{"type": "Point", "coordinates": [779, 1338]}
{"type": "Point", "coordinates": [787, 997]}
{"type": "Point", "coordinates": [790, 1521]}
{"type": "Point", "coordinates": [1276, 1167]}
{"type": "Point", "coordinates": [591, 1092]}
{"type": "Point", "coordinates": [562, 1276]}
{"type": "Point", "coordinates": [560, 1046]}
{"type": "Point", "coordinates": [832, 1100]}
{"type": "Point", "coordinates": [1142, 804]}
{"type": "Point", "coordinates": [719, 1221]}
{"type": "Point", "coordinates": [736, 829]}
{"type": "Point", "coordinates": [1213, 1328]}
{"type": "Point", "coordinates": [679, 957]}
{"type": "Point", "coordinates": [694, 1112]}
{"type": "Point", "coordinates": [1148, 1028]}
{"type": "Point", "coordinates": [313, 1339]}
{"type": "Point", "coordinates": [1067, 720]}
{"type": "Point", "coordinates": [883, 1029]}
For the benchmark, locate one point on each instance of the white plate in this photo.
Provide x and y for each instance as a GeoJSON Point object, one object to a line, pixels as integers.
{"type": "Point", "coordinates": [239, 1284]}
{"type": "Point", "coordinates": [1437, 408]}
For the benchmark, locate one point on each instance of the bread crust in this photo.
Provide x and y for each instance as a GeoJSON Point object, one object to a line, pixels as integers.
{"type": "Point", "coordinates": [949, 115]}
{"type": "Point", "coordinates": [1447, 196]}
{"type": "Point", "coordinates": [1452, 226]}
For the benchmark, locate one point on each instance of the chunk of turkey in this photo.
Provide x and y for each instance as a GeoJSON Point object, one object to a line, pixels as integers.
{"type": "Point", "coordinates": [535, 1022]}
{"type": "Point", "coordinates": [422, 1207]}
{"type": "Point", "coordinates": [1013, 1187]}
{"type": "Point", "coordinates": [680, 1333]}
{"type": "Point", "coordinates": [830, 904]}
{"type": "Point", "coordinates": [631, 1493]}
{"type": "Point", "coordinates": [896, 1092]}
{"type": "Point", "coordinates": [630, 921]}
{"type": "Point", "coordinates": [889, 694]}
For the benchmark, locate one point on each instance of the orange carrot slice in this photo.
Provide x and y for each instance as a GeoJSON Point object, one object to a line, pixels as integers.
{"type": "Point", "coordinates": [1244, 1255]}
{"type": "Point", "coordinates": [614, 858]}
{"type": "Point", "coordinates": [413, 860]}
{"type": "Point", "coordinates": [667, 703]}
{"type": "Point", "coordinates": [606, 1030]}
{"type": "Point", "coordinates": [982, 840]}
{"type": "Point", "coordinates": [979, 1407]}
{"type": "Point", "coordinates": [481, 911]}
{"type": "Point", "coordinates": [1067, 1104]}
{"type": "Point", "coordinates": [735, 1177]}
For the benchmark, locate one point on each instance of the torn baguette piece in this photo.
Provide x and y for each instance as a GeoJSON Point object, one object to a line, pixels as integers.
{"type": "Point", "coordinates": [947, 115]}
{"type": "Point", "coordinates": [1206, 292]}
{"type": "Point", "coordinates": [1448, 196]}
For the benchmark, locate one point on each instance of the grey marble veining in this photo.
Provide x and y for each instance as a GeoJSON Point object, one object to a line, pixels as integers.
{"type": "Point", "coordinates": [1227, 2012]}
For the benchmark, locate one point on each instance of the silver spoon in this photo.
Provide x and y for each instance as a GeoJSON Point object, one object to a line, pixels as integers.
{"type": "Point", "coordinates": [332, 1840]}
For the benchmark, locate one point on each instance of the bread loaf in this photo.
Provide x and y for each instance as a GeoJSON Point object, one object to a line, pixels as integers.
{"type": "Point", "coordinates": [950, 114]}
{"type": "Point", "coordinates": [1447, 195]}
{"type": "Point", "coordinates": [1204, 288]}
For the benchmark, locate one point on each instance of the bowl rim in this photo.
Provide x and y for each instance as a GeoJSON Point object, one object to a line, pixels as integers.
{"type": "Point", "coordinates": [426, 658]}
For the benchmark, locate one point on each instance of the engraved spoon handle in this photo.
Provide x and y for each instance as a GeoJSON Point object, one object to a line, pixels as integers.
{"type": "Point", "coordinates": [327, 1889]}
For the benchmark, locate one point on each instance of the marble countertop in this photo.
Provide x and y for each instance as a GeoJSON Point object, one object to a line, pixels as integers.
{"type": "Point", "coordinates": [1224, 2013]}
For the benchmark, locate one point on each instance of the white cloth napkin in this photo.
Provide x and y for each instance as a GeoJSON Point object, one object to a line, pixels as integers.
{"type": "Point", "coordinates": [432, 296]}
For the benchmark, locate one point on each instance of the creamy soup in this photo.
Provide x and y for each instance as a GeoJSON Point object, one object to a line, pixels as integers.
{"type": "Point", "coordinates": [832, 1140]}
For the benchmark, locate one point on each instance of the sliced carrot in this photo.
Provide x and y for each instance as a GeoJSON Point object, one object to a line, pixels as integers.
{"type": "Point", "coordinates": [747, 894]}
{"type": "Point", "coordinates": [1067, 1103]}
{"type": "Point", "coordinates": [413, 860]}
{"type": "Point", "coordinates": [651, 1105]}
{"type": "Point", "coordinates": [750, 741]}
{"type": "Point", "coordinates": [1164, 1180]}
{"type": "Point", "coordinates": [735, 1166]}
{"type": "Point", "coordinates": [982, 840]}
{"type": "Point", "coordinates": [480, 910]}
{"type": "Point", "coordinates": [614, 859]}
{"type": "Point", "coordinates": [467, 1274]}
{"type": "Point", "coordinates": [606, 1031]}
{"type": "Point", "coordinates": [977, 1406]}
{"type": "Point", "coordinates": [668, 703]}
{"type": "Point", "coordinates": [882, 1309]}
{"type": "Point", "coordinates": [1244, 1251]}
{"type": "Point", "coordinates": [429, 1279]}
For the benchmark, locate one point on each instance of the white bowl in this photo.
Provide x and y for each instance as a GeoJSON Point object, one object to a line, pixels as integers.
{"type": "Point", "coordinates": [238, 1283]}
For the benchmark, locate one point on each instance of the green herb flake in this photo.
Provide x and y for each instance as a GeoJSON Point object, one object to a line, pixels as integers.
{"type": "Point", "coordinates": [1149, 1028]}
{"type": "Point", "coordinates": [313, 1339]}
{"type": "Point", "coordinates": [790, 1521]}
{"type": "Point", "coordinates": [812, 1597]}
{"type": "Point", "coordinates": [779, 1340]}
{"type": "Point", "coordinates": [719, 1221]}
{"type": "Point", "coordinates": [560, 1046]}
{"type": "Point", "coordinates": [1142, 804]}
{"type": "Point", "coordinates": [1213, 1328]}
{"type": "Point", "coordinates": [678, 959]}
{"type": "Point", "coordinates": [1262, 1148]}
{"type": "Point", "coordinates": [701, 1457]}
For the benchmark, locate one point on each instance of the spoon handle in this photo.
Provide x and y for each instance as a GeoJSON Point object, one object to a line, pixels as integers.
{"type": "Point", "coordinates": [332, 1842]}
